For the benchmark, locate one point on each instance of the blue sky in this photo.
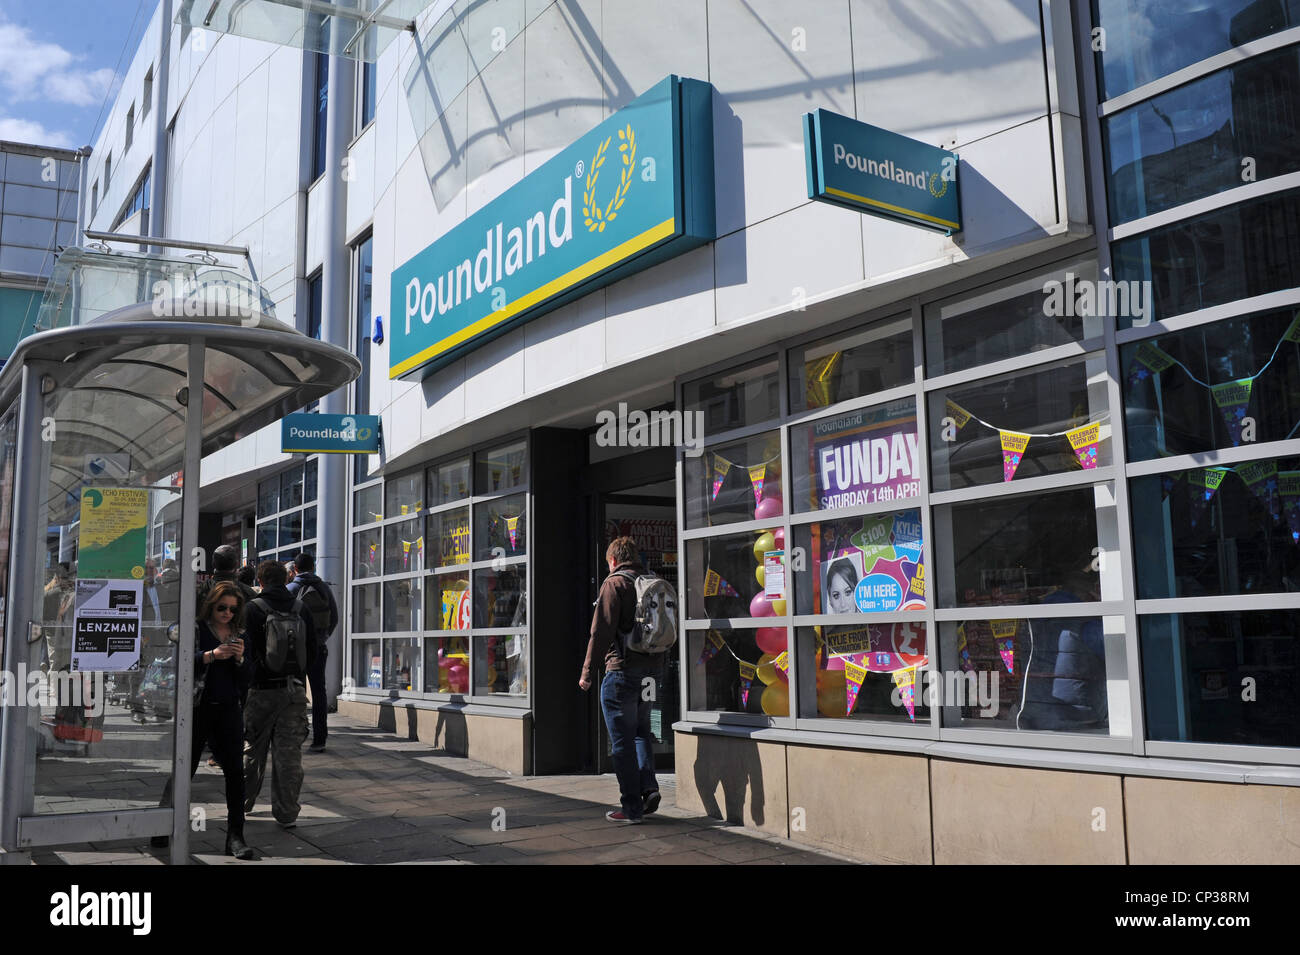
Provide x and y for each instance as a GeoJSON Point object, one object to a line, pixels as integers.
{"type": "Point", "coordinates": [59, 60]}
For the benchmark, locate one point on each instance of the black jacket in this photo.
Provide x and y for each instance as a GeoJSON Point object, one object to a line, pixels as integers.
{"type": "Point", "coordinates": [224, 681]}
{"type": "Point", "coordinates": [307, 579]}
{"type": "Point", "coordinates": [281, 600]}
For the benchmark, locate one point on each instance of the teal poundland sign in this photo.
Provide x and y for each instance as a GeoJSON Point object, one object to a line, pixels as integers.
{"type": "Point", "coordinates": [636, 190]}
{"type": "Point", "coordinates": [872, 170]}
{"type": "Point", "coordinates": [330, 434]}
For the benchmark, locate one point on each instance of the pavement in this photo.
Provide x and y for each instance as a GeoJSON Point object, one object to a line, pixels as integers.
{"type": "Point", "coordinates": [373, 798]}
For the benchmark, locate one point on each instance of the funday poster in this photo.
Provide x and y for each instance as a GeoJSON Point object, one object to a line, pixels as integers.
{"type": "Point", "coordinates": [870, 564]}
{"type": "Point", "coordinates": [865, 457]}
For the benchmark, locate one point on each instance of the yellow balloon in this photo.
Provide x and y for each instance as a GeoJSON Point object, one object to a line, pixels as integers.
{"type": "Point", "coordinates": [776, 700]}
{"type": "Point", "coordinates": [760, 574]}
{"type": "Point", "coordinates": [764, 543]}
{"type": "Point", "coordinates": [830, 694]}
{"type": "Point", "coordinates": [779, 607]}
{"type": "Point", "coordinates": [766, 671]}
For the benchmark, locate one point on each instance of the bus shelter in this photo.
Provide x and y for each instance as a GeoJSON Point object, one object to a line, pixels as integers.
{"type": "Point", "coordinates": [146, 364]}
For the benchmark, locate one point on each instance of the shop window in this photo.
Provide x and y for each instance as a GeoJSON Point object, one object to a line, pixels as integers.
{"type": "Point", "coordinates": [737, 481]}
{"type": "Point", "coordinates": [1245, 250]}
{"type": "Point", "coordinates": [368, 505]}
{"type": "Point", "coordinates": [871, 564]}
{"type": "Point", "coordinates": [403, 547]}
{"type": "Point", "coordinates": [852, 364]}
{"type": "Point", "coordinates": [501, 469]}
{"type": "Point", "coordinates": [1026, 549]}
{"type": "Point", "coordinates": [367, 664]}
{"type": "Point", "coordinates": [291, 528]}
{"type": "Point", "coordinates": [501, 665]}
{"type": "Point", "coordinates": [366, 557]}
{"type": "Point", "coordinates": [735, 399]}
{"type": "Point", "coordinates": [501, 598]}
{"type": "Point", "coordinates": [726, 576]}
{"type": "Point", "coordinates": [267, 539]}
{"type": "Point", "coordinates": [446, 664]}
{"type": "Point", "coordinates": [1012, 320]}
{"type": "Point", "coordinates": [308, 523]}
{"type": "Point", "coordinates": [1222, 385]}
{"type": "Point", "coordinates": [449, 482]}
{"type": "Point", "coordinates": [1146, 39]}
{"type": "Point", "coordinates": [1040, 673]}
{"type": "Point", "coordinates": [268, 497]}
{"type": "Point", "coordinates": [448, 598]}
{"type": "Point", "coordinates": [869, 672]}
{"type": "Point", "coordinates": [1061, 408]}
{"type": "Point", "coordinates": [1219, 530]}
{"type": "Point", "coordinates": [448, 533]}
{"type": "Point", "coordinates": [403, 605]}
{"type": "Point", "coordinates": [402, 659]}
{"type": "Point", "coordinates": [501, 527]}
{"type": "Point", "coordinates": [404, 495]}
{"type": "Point", "coordinates": [734, 671]}
{"type": "Point", "coordinates": [310, 477]}
{"type": "Point", "coordinates": [857, 459]}
{"type": "Point", "coordinates": [365, 611]}
{"type": "Point", "coordinates": [1226, 678]}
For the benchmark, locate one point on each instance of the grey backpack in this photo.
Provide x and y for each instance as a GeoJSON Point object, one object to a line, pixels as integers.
{"type": "Point", "coordinates": [655, 619]}
{"type": "Point", "coordinates": [286, 641]}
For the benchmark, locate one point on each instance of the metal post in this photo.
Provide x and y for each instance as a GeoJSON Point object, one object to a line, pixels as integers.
{"type": "Point", "coordinates": [331, 564]}
{"type": "Point", "coordinates": [17, 767]}
{"type": "Point", "coordinates": [158, 175]}
{"type": "Point", "coordinates": [184, 709]}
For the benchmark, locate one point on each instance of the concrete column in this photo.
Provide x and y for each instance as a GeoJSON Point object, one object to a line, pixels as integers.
{"type": "Point", "coordinates": [158, 171]}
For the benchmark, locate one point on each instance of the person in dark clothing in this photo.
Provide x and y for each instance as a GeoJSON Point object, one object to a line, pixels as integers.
{"type": "Point", "coordinates": [622, 698]}
{"type": "Point", "coordinates": [168, 587]}
{"type": "Point", "coordinates": [1065, 672]}
{"type": "Point", "coordinates": [319, 599]}
{"type": "Point", "coordinates": [275, 716]}
{"type": "Point", "coordinates": [247, 575]}
{"type": "Point", "coordinates": [219, 661]}
{"type": "Point", "coordinates": [225, 563]}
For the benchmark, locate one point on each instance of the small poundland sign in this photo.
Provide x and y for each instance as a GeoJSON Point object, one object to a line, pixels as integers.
{"type": "Point", "coordinates": [873, 170]}
{"type": "Point", "coordinates": [632, 192]}
{"type": "Point", "coordinates": [330, 434]}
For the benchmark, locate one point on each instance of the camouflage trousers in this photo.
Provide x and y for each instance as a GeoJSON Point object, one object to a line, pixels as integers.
{"type": "Point", "coordinates": [275, 721]}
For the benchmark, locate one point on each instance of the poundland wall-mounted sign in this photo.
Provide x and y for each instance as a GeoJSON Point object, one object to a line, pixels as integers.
{"type": "Point", "coordinates": [636, 190]}
{"type": "Point", "coordinates": [330, 434]}
{"type": "Point", "coordinates": [872, 170]}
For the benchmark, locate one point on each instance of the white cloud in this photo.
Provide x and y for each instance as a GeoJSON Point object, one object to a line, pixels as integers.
{"type": "Point", "coordinates": [26, 131]}
{"type": "Point", "coordinates": [30, 69]}
{"type": "Point", "coordinates": [79, 89]}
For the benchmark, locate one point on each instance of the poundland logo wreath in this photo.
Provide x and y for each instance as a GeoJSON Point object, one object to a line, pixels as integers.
{"type": "Point", "coordinates": [634, 191]}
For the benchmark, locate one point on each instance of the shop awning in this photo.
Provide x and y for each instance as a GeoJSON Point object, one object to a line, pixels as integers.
{"type": "Point", "coordinates": [366, 26]}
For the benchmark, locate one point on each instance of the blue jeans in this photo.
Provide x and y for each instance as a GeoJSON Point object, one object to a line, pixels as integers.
{"type": "Point", "coordinates": [627, 714]}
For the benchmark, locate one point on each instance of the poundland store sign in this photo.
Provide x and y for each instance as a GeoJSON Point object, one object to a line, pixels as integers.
{"type": "Point", "coordinates": [329, 434]}
{"type": "Point", "coordinates": [869, 169]}
{"type": "Point", "coordinates": [634, 191]}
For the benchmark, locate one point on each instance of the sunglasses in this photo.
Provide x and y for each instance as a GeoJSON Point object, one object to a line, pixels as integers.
{"type": "Point", "coordinates": [226, 608]}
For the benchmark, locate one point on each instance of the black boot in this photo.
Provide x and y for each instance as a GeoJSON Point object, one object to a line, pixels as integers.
{"type": "Point", "coordinates": [235, 846]}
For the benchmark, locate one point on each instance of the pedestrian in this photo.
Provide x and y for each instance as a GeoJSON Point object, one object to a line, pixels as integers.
{"type": "Point", "coordinates": [282, 643]}
{"type": "Point", "coordinates": [225, 561]}
{"type": "Point", "coordinates": [222, 669]}
{"type": "Point", "coordinates": [319, 599]}
{"type": "Point", "coordinates": [169, 592]}
{"type": "Point", "coordinates": [289, 572]}
{"type": "Point", "coordinates": [248, 576]}
{"type": "Point", "coordinates": [623, 699]}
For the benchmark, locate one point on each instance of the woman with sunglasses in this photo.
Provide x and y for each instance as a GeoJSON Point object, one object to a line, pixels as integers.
{"type": "Point", "coordinates": [218, 717]}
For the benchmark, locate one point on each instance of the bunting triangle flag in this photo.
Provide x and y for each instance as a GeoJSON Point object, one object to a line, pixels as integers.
{"type": "Point", "coordinates": [1167, 482]}
{"type": "Point", "coordinates": [1013, 449]}
{"type": "Point", "coordinates": [1004, 633]}
{"type": "Point", "coordinates": [720, 468]}
{"type": "Point", "coordinates": [960, 416]}
{"type": "Point", "coordinates": [963, 650]}
{"type": "Point", "coordinates": [748, 673]}
{"type": "Point", "coordinates": [1085, 440]}
{"type": "Point", "coordinates": [1149, 360]}
{"type": "Point", "coordinates": [1204, 482]}
{"type": "Point", "coordinates": [756, 475]}
{"type": "Point", "coordinates": [713, 642]}
{"type": "Point", "coordinates": [1292, 333]}
{"type": "Point", "coordinates": [905, 680]}
{"type": "Point", "coordinates": [714, 585]}
{"type": "Point", "coordinates": [1288, 486]}
{"type": "Point", "coordinates": [853, 677]}
{"type": "Point", "coordinates": [1262, 479]}
{"type": "Point", "coordinates": [512, 528]}
{"type": "Point", "coordinates": [1232, 398]}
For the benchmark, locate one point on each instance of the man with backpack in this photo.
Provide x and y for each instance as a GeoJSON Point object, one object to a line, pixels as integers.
{"type": "Point", "coordinates": [225, 566]}
{"type": "Point", "coordinates": [319, 601]}
{"type": "Point", "coordinates": [634, 625]}
{"type": "Point", "coordinates": [281, 641]}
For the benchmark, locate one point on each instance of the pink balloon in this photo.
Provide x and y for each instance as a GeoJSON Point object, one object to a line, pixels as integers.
{"type": "Point", "coordinates": [768, 508]}
{"type": "Point", "coordinates": [760, 606]}
{"type": "Point", "coordinates": [443, 662]}
{"type": "Point", "coordinates": [779, 536]}
{"type": "Point", "coordinates": [771, 639]}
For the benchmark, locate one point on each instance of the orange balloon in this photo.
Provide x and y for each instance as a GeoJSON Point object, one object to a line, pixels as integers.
{"type": "Point", "coordinates": [776, 700]}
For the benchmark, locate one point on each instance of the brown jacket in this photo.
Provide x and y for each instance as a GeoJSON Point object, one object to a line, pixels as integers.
{"type": "Point", "coordinates": [615, 613]}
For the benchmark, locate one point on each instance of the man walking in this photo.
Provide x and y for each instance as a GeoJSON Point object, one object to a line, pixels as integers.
{"type": "Point", "coordinates": [319, 600]}
{"type": "Point", "coordinates": [282, 644]}
{"type": "Point", "coordinates": [629, 687]}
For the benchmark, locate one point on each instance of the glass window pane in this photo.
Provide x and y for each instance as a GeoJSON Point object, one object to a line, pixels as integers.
{"type": "Point", "coordinates": [870, 564]}
{"type": "Point", "coordinates": [403, 547]}
{"type": "Point", "coordinates": [405, 495]}
{"type": "Point", "coordinates": [501, 665]}
{"type": "Point", "coordinates": [724, 674]}
{"type": "Point", "coordinates": [1194, 666]}
{"type": "Point", "coordinates": [852, 364]}
{"type": "Point", "coordinates": [448, 599]}
{"type": "Point", "coordinates": [449, 482]}
{"type": "Point", "coordinates": [722, 578]}
{"type": "Point", "coordinates": [365, 608]}
{"type": "Point", "coordinates": [368, 504]}
{"type": "Point", "coordinates": [1010, 321]}
{"type": "Point", "coordinates": [738, 481]}
{"type": "Point", "coordinates": [501, 527]}
{"type": "Point", "coordinates": [501, 468]}
{"type": "Point", "coordinates": [1044, 673]}
{"type": "Point", "coordinates": [291, 488]}
{"type": "Point", "coordinates": [1039, 548]}
{"type": "Point", "coordinates": [267, 539]}
{"type": "Point", "coordinates": [367, 664]}
{"type": "Point", "coordinates": [401, 664]}
{"type": "Point", "coordinates": [1179, 393]}
{"type": "Point", "coordinates": [748, 395]}
{"type": "Point", "coordinates": [268, 497]}
{"type": "Point", "coordinates": [402, 605]}
{"type": "Point", "coordinates": [449, 534]}
{"type": "Point", "coordinates": [366, 558]}
{"type": "Point", "coordinates": [501, 599]}
{"type": "Point", "coordinates": [309, 481]}
{"type": "Point", "coordinates": [446, 664]}
{"type": "Point", "coordinates": [857, 458]}
{"type": "Point", "coordinates": [966, 449]}
{"type": "Point", "coordinates": [864, 673]}
{"type": "Point", "coordinates": [308, 523]}
{"type": "Point", "coordinates": [1218, 531]}
{"type": "Point", "coordinates": [291, 528]}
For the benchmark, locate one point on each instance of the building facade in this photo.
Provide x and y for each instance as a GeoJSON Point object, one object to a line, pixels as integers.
{"type": "Point", "coordinates": [984, 541]}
